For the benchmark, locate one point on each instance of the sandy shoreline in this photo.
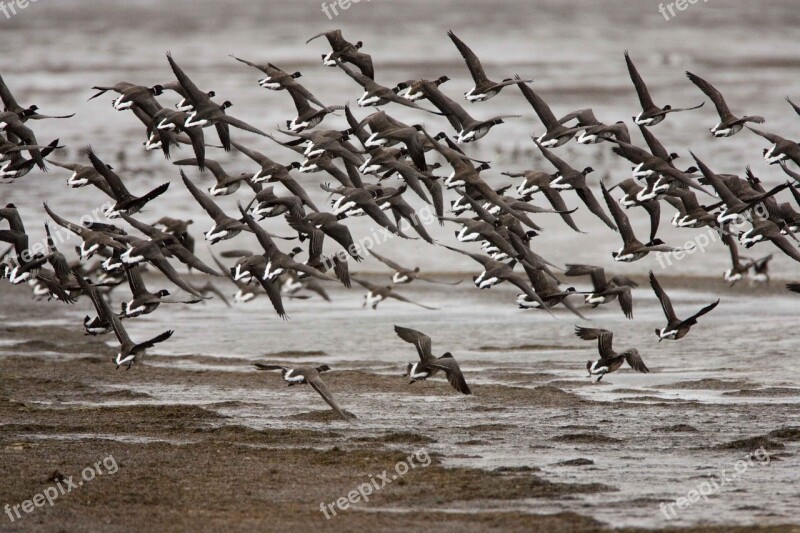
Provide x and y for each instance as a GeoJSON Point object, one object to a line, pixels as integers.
{"type": "Point", "coordinates": [182, 465]}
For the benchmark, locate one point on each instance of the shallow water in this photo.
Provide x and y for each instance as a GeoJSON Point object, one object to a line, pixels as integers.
{"type": "Point", "coordinates": [721, 394]}
{"type": "Point", "coordinates": [573, 51]}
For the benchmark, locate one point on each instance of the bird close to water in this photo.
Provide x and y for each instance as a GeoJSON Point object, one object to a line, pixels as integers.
{"type": "Point", "coordinates": [309, 375]}
{"type": "Point", "coordinates": [129, 352]}
{"type": "Point", "coordinates": [610, 360]}
{"type": "Point", "coordinates": [429, 364]}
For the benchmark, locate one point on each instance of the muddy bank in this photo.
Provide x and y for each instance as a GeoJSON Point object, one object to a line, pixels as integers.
{"type": "Point", "coordinates": [187, 466]}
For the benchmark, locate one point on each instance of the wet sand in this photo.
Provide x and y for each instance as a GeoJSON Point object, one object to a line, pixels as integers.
{"type": "Point", "coordinates": [215, 463]}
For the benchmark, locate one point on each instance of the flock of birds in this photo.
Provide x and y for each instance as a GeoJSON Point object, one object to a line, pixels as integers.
{"type": "Point", "coordinates": [361, 159]}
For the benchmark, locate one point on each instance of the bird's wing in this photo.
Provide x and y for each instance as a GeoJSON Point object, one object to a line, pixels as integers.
{"type": "Point", "coordinates": [322, 389]}
{"type": "Point", "coordinates": [555, 199]}
{"type": "Point", "coordinates": [104, 312]}
{"type": "Point", "coordinates": [540, 106]}
{"type": "Point", "coordinates": [404, 299]}
{"type": "Point", "coordinates": [693, 319]}
{"type": "Point", "coordinates": [625, 297]}
{"type": "Point", "coordinates": [604, 339]}
{"type": "Point", "coordinates": [597, 274]}
{"type": "Point", "coordinates": [259, 158]}
{"type": "Point", "coordinates": [359, 78]}
{"type": "Point", "coordinates": [8, 99]}
{"type": "Point", "coordinates": [197, 96]}
{"type": "Point", "coordinates": [641, 88]}
{"type": "Point", "coordinates": [482, 259]}
{"type": "Point", "coordinates": [635, 362]}
{"type": "Point", "coordinates": [473, 63]}
{"type": "Point", "coordinates": [236, 123]}
{"type": "Point", "coordinates": [622, 220]}
{"type": "Point", "coordinates": [453, 373]}
{"type": "Point", "coordinates": [334, 38]}
{"type": "Point", "coordinates": [135, 280]}
{"type": "Point", "coordinates": [585, 194]}
{"type": "Point", "coordinates": [666, 304]}
{"type": "Point", "coordinates": [112, 178]}
{"type": "Point", "coordinates": [74, 228]}
{"type": "Point", "coordinates": [155, 340]}
{"type": "Point", "coordinates": [262, 366]}
{"type": "Point", "coordinates": [654, 210]}
{"type": "Point", "coordinates": [715, 96]}
{"type": "Point", "coordinates": [794, 106]}
{"type": "Point", "coordinates": [274, 293]}
{"type": "Point", "coordinates": [420, 341]}
{"type": "Point", "coordinates": [771, 137]}
{"type": "Point", "coordinates": [204, 200]}
{"type": "Point", "coordinates": [188, 258]}
{"type": "Point", "coordinates": [161, 263]}
{"type": "Point", "coordinates": [388, 262]}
